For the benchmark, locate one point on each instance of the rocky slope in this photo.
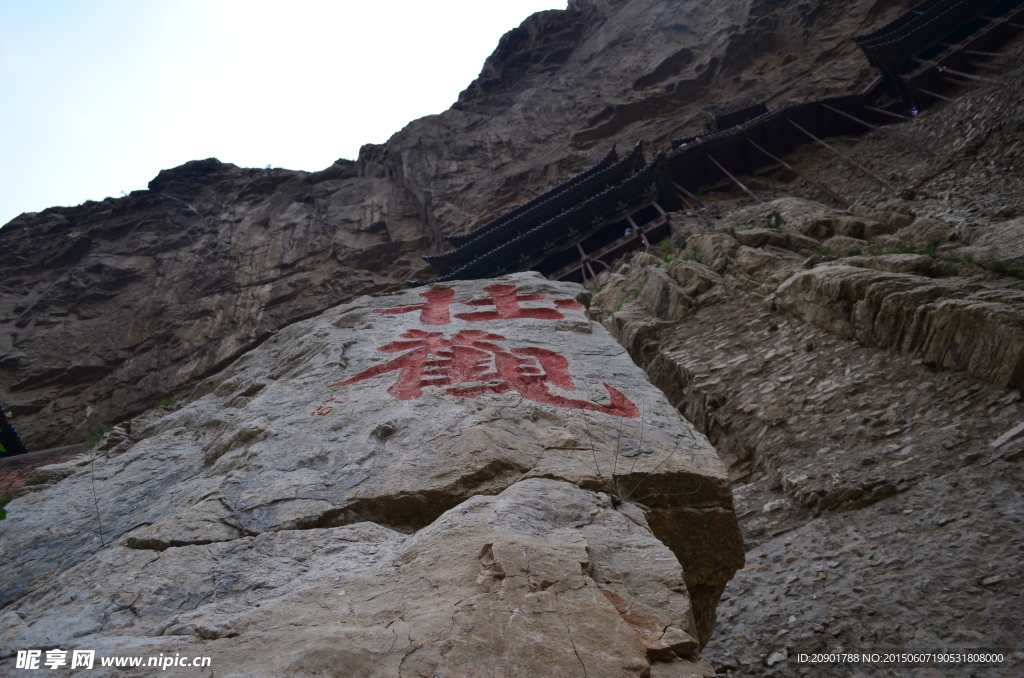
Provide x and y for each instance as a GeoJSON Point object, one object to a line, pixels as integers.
{"type": "Point", "coordinates": [452, 491]}
{"type": "Point", "coordinates": [859, 371]}
{"type": "Point", "coordinates": [92, 328]}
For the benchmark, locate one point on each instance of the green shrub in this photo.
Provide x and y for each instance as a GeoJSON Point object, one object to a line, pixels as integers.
{"type": "Point", "coordinates": [902, 248]}
{"type": "Point", "coordinates": [5, 499]}
{"type": "Point", "coordinates": [95, 435]}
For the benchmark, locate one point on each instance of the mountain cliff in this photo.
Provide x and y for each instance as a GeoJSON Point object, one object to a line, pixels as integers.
{"type": "Point", "coordinates": [91, 325]}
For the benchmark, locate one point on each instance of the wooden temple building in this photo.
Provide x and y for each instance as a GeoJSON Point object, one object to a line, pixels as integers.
{"type": "Point", "coordinates": [938, 43]}
{"type": "Point", "coordinates": [593, 216]}
{"type": "Point", "coordinates": [578, 227]}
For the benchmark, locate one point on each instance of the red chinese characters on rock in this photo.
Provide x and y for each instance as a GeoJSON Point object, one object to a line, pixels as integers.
{"type": "Point", "coordinates": [326, 407]}
{"type": "Point", "coordinates": [505, 299]}
{"type": "Point", "coordinates": [472, 363]}
{"type": "Point", "coordinates": [434, 311]}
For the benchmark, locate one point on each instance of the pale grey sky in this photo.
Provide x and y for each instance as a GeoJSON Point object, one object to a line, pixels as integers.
{"type": "Point", "coordinates": [97, 96]}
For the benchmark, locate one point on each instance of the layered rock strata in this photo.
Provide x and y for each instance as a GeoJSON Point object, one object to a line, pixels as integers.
{"type": "Point", "coordinates": [446, 478]}
{"type": "Point", "coordinates": [109, 307]}
{"type": "Point", "coordinates": [955, 323]}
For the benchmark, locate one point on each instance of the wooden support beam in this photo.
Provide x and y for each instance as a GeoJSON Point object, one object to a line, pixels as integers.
{"type": "Point", "coordinates": [983, 66]}
{"type": "Point", "coordinates": [881, 130]}
{"type": "Point", "coordinates": [735, 180]}
{"type": "Point", "coordinates": [689, 195]}
{"type": "Point", "coordinates": [585, 265]}
{"type": "Point", "coordinates": [933, 94]}
{"type": "Point", "coordinates": [639, 232]}
{"type": "Point", "coordinates": [665, 217]}
{"type": "Point", "coordinates": [686, 203]}
{"type": "Point", "coordinates": [996, 20]}
{"type": "Point", "coordinates": [885, 112]}
{"type": "Point", "coordinates": [611, 248]}
{"type": "Point", "coordinates": [944, 69]}
{"type": "Point", "coordinates": [841, 201]}
{"type": "Point", "coordinates": [842, 155]}
{"type": "Point", "coordinates": [961, 83]}
{"type": "Point", "coordinates": [1000, 55]}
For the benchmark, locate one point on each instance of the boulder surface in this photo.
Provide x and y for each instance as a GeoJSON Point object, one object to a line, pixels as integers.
{"type": "Point", "coordinates": [470, 478]}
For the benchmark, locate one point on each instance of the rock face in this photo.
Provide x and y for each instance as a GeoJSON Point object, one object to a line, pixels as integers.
{"type": "Point", "coordinates": [450, 479]}
{"type": "Point", "coordinates": [109, 307]}
{"type": "Point", "coordinates": [93, 327]}
{"type": "Point", "coordinates": [855, 370]}
{"type": "Point", "coordinates": [954, 323]}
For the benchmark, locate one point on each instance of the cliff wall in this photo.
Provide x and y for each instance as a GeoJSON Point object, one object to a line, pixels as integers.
{"type": "Point", "coordinates": [112, 306]}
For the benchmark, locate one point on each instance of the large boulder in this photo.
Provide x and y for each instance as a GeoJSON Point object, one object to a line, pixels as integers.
{"type": "Point", "coordinates": [381, 431]}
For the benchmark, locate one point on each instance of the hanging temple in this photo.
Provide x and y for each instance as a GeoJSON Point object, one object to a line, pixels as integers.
{"type": "Point", "coordinates": [619, 205]}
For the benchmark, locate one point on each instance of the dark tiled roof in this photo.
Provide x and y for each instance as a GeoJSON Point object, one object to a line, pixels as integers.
{"type": "Point", "coordinates": [650, 183]}
{"type": "Point", "coordinates": [554, 204]}
{"type": "Point", "coordinates": [607, 161]}
{"type": "Point", "coordinates": [891, 49]}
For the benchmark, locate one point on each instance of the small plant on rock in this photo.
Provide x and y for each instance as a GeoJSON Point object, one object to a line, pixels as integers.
{"type": "Point", "coordinates": [666, 250]}
{"type": "Point", "coordinates": [95, 435]}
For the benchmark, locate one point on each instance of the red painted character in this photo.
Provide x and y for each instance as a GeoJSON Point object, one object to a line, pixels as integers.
{"type": "Point", "coordinates": [432, 312]}
{"type": "Point", "coordinates": [473, 356]}
{"type": "Point", "coordinates": [504, 298]}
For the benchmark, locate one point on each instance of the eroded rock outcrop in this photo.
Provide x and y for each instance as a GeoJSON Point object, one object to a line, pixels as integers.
{"type": "Point", "coordinates": [481, 455]}
{"type": "Point", "coordinates": [876, 484]}
{"type": "Point", "coordinates": [954, 323]}
{"type": "Point", "coordinates": [109, 307]}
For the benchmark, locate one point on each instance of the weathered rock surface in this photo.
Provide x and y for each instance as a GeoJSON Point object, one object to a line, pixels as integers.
{"type": "Point", "coordinates": [109, 307]}
{"type": "Point", "coordinates": [955, 323]}
{"type": "Point", "coordinates": [15, 471]}
{"type": "Point", "coordinates": [342, 435]}
{"type": "Point", "coordinates": [880, 495]}
{"type": "Point", "coordinates": [878, 492]}
{"type": "Point", "coordinates": [542, 579]}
